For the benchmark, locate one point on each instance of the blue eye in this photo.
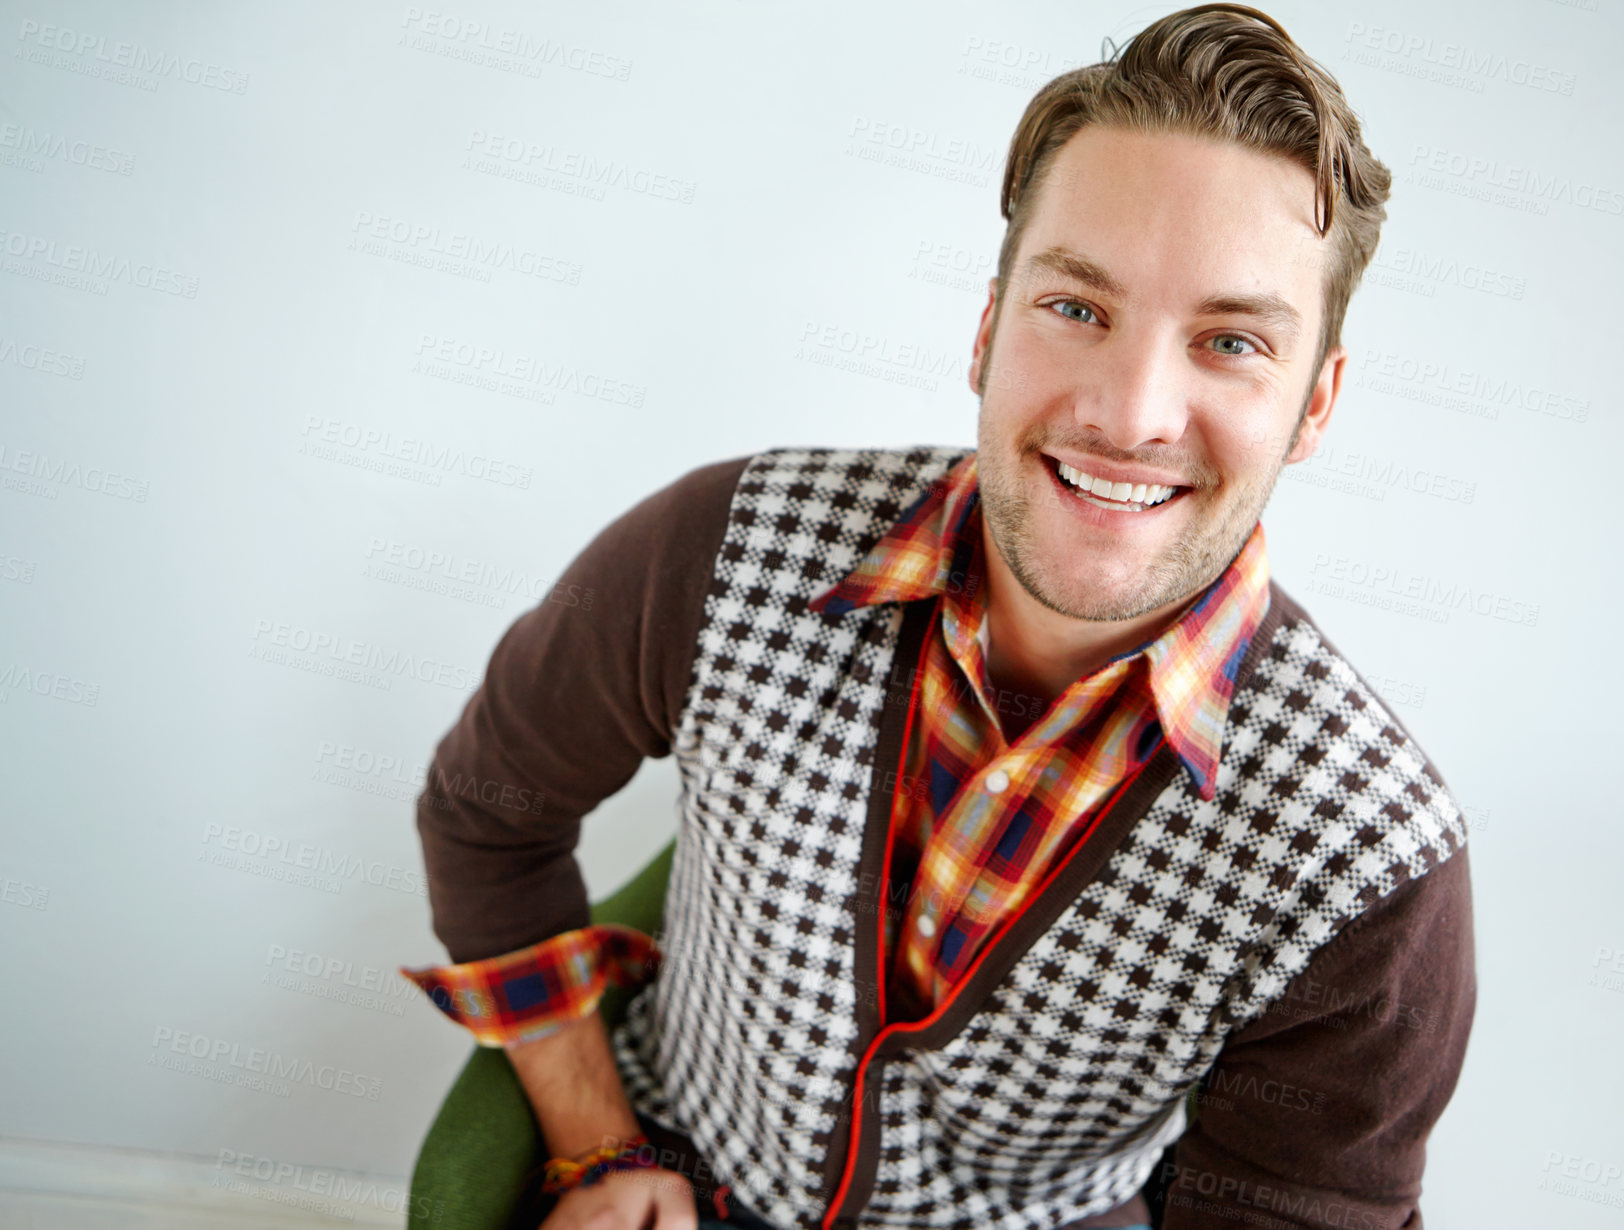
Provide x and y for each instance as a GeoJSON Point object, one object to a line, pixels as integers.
{"type": "Point", "coordinates": [1072, 303]}
{"type": "Point", "coordinates": [1233, 337]}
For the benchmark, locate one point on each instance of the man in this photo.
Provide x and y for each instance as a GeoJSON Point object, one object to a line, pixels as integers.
{"type": "Point", "coordinates": [1018, 801]}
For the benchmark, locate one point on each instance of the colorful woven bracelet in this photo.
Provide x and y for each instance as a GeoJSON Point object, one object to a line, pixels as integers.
{"type": "Point", "coordinates": [564, 1173]}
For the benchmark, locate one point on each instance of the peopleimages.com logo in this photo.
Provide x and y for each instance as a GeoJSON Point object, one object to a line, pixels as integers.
{"type": "Point", "coordinates": [231, 1062]}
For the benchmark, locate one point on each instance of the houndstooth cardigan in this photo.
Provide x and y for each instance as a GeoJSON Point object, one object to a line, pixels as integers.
{"type": "Point", "coordinates": [1047, 1088]}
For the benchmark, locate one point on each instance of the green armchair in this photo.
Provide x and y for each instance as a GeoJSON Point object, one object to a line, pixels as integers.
{"type": "Point", "coordinates": [480, 1164]}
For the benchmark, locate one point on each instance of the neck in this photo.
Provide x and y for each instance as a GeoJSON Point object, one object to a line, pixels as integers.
{"type": "Point", "coordinates": [1035, 651]}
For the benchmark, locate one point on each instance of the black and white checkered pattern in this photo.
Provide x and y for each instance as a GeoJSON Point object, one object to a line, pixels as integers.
{"type": "Point", "coordinates": [1058, 1096]}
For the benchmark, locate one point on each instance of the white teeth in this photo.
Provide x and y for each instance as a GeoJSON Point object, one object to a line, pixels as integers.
{"type": "Point", "coordinates": [1146, 495]}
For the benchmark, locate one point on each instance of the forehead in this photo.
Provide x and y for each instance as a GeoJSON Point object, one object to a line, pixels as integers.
{"type": "Point", "coordinates": [1177, 215]}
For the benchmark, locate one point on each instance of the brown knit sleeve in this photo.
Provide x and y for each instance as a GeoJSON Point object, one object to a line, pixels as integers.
{"type": "Point", "coordinates": [578, 691]}
{"type": "Point", "coordinates": [1317, 1113]}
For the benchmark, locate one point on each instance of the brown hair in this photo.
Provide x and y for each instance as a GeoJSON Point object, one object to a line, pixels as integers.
{"type": "Point", "coordinates": [1230, 72]}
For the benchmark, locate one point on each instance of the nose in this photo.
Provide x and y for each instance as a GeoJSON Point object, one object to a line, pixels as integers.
{"type": "Point", "coordinates": [1131, 391]}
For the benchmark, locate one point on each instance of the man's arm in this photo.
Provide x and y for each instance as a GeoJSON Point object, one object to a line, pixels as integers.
{"type": "Point", "coordinates": [578, 691]}
{"type": "Point", "coordinates": [1317, 1113]}
{"type": "Point", "coordinates": [572, 1082]}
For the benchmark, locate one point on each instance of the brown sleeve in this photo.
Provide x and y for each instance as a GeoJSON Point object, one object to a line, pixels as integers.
{"type": "Point", "coordinates": [578, 691]}
{"type": "Point", "coordinates": [1317, 1113]}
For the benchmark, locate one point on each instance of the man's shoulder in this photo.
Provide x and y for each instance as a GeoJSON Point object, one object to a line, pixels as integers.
{"type": "Point", "coordinates": [875, 470]}
{"type": "Point", "coordinates": [813, 510]}
{"type": "Point", "coordinates": [1323, 672]}
{"type": "Point", "coordinates": [871, 476]}
{"type": "Point", "coordinates": [1330, 751]}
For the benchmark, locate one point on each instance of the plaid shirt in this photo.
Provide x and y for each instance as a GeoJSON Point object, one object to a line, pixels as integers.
{"type": "Point", "coordinates": [978, 820]}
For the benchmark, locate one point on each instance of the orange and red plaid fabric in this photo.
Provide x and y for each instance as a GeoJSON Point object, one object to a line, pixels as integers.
{"type": "Point", "coordinates": [978, 820]}
{"type": "Point", "coordinates": [523, 996]}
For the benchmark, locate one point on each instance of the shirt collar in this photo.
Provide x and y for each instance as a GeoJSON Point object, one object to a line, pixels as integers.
{"type": "Point", "coordinates": [1192, 664]}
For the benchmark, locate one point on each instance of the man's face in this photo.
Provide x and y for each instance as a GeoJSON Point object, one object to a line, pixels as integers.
{"type": "Point", "coordinates": [1160, 326]}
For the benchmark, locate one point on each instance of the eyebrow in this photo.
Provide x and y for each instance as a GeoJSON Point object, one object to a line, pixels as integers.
{"type": "Point", "coordinates": [1266, 306]}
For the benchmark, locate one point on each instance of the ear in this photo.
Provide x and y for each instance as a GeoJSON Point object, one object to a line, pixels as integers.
{"type": "Point", "coordinates": [1318, 417]}
{"type": "Point", "coordinates": [983, 336]}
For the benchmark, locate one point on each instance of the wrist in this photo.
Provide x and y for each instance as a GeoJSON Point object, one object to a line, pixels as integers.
{"type": "Point", "coordinates": [617, 1153]}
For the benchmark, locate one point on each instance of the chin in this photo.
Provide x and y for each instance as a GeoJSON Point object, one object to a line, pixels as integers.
{"type": "Point", "coordinates": [1087, 594]}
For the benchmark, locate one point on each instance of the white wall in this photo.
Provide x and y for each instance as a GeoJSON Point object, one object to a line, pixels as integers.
{"type": "Point", "coordinates": [252, 400]}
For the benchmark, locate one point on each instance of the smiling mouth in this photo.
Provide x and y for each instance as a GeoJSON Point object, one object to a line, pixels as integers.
{"type": "Point", "coordinates": [1118, 497]}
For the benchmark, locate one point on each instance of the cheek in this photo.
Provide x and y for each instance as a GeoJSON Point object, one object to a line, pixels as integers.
{"type": "Point", "coordinates": [1027, 366]}
{"type": "Point", "coordinates": [1246, 447]}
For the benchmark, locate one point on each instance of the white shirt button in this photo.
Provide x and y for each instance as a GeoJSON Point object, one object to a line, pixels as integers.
{"type": "Point", "coordinates": [997, 781]}
{"type": "Point", "coordinates": [927, 928]}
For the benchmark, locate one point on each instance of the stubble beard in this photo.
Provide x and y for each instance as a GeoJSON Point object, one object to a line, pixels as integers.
{"type": "Point", "coordinates": [1187, 565]}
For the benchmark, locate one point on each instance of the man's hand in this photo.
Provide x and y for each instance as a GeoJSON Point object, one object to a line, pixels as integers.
{"type": "Point", "coordinates": [647, 1198]}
